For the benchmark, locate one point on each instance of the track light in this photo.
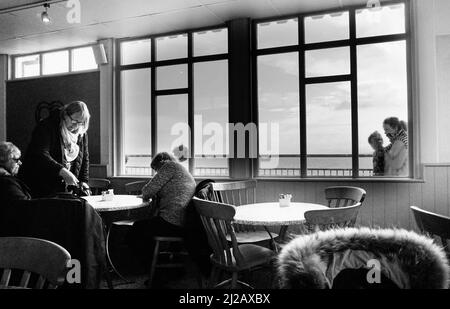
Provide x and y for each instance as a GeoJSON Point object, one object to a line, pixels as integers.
{"type": "Point", "coordinates": [44, 16]}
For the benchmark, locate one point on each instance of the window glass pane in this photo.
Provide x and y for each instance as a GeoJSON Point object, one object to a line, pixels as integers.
{"type": "Point", "coordinates": [278, 103]}
{"type": "Point", "coordinates": [327, 62]}
{"type": "Point", "coordinates": [328, 27]}
{"type": "Point", "coordinates": [172, 119]}
{"type": "Point", "coordinates": [27, 66]}
{"type": "Point", "coordinates": [211, 42]}
{"type": "Point", "coordinates": [382, 93]}
{"type": "Point", "coordinates": [83, 59]}
{"type": "Point", "coordinates": [329, 130]}
{"type": "Point", "coordinates": [211, 118]}
{"type": "Point", "coordinates": [278, 33]}
{"type": "Point", "coordinates": [171, 47]}
{"type": "Point", "coordinates": [171, 77]}
{"type": "Point", "coordinates": [136, 121]}
{"type": "Point", "coordinates": [138, 51]}
{"type": "Point", "coordinates": [380, 21]}
{"type": "Point", "coordinates": [55, 62]}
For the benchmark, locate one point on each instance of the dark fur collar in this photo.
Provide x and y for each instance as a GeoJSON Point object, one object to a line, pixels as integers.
{"type": "Point", "coordinates": [410, 260]}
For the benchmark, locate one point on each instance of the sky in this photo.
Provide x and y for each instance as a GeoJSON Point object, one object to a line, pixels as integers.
{"type": "Point", "coordinates": [382, 84]}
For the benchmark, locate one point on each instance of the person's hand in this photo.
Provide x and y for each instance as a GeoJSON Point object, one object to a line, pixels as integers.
{"type": "Point", "coordinates": [85, 188]}
{"type": "Point", "coordinates": [68, 177]}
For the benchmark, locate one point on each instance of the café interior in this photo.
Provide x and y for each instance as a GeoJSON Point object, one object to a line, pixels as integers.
{"type": "Point", "coordinates": [212, 144]}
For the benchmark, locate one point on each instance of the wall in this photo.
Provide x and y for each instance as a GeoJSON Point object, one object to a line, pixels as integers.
{"type": "Point", "coordinates": [23, 97]}
{"type": "Point", "coordinates": [432, 26]}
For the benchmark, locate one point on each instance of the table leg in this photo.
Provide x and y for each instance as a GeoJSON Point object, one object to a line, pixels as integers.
{"type": "Point", "coordinates": [110, 267]}
{"type": "Point", "coordinates": [283, 231]}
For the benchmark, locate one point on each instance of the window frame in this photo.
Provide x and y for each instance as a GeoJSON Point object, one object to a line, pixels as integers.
{"type": "Point", "coordinates": [40, 54]}
{"type": "Point", "coordinates": [190, 60]}
{"type": "Point", "coordinates": [352, 42]}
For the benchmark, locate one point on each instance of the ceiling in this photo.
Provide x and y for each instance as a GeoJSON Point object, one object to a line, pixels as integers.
{"type": "Point", "coordinates": [21, 30]}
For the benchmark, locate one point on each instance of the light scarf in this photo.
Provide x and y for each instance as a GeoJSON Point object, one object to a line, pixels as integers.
{"type": "Point", "coordinates": [71, 148]}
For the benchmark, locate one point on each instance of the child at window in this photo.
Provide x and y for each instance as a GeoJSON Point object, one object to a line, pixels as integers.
{"type": "Point", "coordinates": [376, 142]}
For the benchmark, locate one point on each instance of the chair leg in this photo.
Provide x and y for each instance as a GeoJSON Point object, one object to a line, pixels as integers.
{"type": "Point", "coordinates": [153, 266]}
{"type": "Point", "coordinates": [213, 277]}
{"type": "Point", "coordinates": [234, 280]}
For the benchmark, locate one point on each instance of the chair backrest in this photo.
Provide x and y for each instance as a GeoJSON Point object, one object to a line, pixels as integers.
{"type": "Point", "coordinates": [325, 219]}
{"type": "Point", "coordinates": [216, 219]}
{"type": "Point", "coordinates": [98, 185]}
{"type": "Point", "coordinates": [434, 224]}
{"type": "Point", "coordinates": [33, 256]}
{"type": "Point", "coordinates": [235, 193]}
{"type": "Point", "coordinates": [135, 187]}
{"type": "Point", "coordinates": [344, 196]}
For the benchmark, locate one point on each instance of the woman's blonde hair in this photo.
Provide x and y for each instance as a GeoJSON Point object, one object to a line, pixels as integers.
{"type": "Point", "coordinates": [7, 150]}
{"type": "Point", "coordinates": [76, 107]}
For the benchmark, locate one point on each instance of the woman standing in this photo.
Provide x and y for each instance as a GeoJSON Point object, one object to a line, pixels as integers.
{"type": "Point", "coordinates": [396, 154]}
{"type": "Point", "coordinates": [58, 155]}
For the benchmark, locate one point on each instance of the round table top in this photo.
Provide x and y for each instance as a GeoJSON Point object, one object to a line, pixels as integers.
{"type": "Point", "coordinates": [271, 214]}
{"type": "Point", "coordinates": [119, 202]}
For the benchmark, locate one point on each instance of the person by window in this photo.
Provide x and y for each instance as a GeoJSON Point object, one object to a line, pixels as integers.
{"type": "Point", "coordinates": [171, 190]}
{"type": "Point", "coordinates": [376, 142]}
{"type": "Point", "coordinates": [58, 156]}
{"type": "Point", "coordinates": [11, 188]}
{"type": "Point", "coordinates": [396, 153]}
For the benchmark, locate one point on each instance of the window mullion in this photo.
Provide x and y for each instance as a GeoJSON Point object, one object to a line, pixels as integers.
{"type": "Point", "coordinates": [191, 141]}
{"type": "Point", "coordinates": [354, 94]}
{"type": "Point", "coordinates": [302, 96]}
{"type": "Point", "coordinates": [153, 98]}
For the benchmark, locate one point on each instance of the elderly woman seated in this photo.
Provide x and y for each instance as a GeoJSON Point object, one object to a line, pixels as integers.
{"type": "Point", "coordinates": [11, 188]}
{"type": "Point", "coordinates": [367, 258]}
{"type": "Point", "coordinates": [171, 190]}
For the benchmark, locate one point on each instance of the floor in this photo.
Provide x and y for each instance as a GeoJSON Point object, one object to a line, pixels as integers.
{"type": "Point", "coordinates": [137, 274]}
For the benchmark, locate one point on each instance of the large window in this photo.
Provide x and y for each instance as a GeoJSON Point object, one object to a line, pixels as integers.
{"type": "Point", "coordinates": [54, 62]}
{"type": "Point", "coordinates": [328, 82]}
{"type": "Point", "coordinates": [174, 92]}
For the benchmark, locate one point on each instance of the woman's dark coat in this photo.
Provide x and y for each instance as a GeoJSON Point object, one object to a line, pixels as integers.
{"type": "Point", "coordinates": [45, 158]}
{"type": "Point", "coordinates": [12, 188]}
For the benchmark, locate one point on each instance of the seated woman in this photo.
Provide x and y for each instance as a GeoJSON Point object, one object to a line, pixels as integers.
{"type": "Point", "coordinates": [171, 190]}
{"type": "Point", "coordinates": [11, 188]}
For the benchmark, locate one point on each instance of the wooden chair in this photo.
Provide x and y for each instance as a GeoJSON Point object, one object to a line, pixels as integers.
{"type": "Point", "coordinates": [325, 219]}
{"type": "Point", "coordinates": [134, 188]}
{"type": "Point", "coordinates": [344, 196]}
{"type": "Point", "coordinates": [32, 256]}
{"type": "Point", "coordinates": [97, 185]}
{"type": "Point", "coordinates": [227, 255]}
{"type": "Point", "coordinates": [433, 224]}
{"type": "Point", "coordinates": [237, 194]}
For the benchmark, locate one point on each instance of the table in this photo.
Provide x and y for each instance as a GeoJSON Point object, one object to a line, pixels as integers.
{"type": "Point", "coordinates": [122, 207]}
{"type": "Point", "coordinates": [271, 214]}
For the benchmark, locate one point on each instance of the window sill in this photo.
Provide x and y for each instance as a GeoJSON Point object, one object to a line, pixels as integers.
{"type": "Point", "coordinates": [292, 179]}
{"type": "Point", "coordinates": [337, 179]}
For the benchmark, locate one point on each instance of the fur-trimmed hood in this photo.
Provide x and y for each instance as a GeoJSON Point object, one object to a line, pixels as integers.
{"type": "Point", "coordinates": [408, 259]}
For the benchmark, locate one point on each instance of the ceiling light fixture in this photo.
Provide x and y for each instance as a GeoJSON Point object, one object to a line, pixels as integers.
{"type": "Point", "coordinates": [44, 16]}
